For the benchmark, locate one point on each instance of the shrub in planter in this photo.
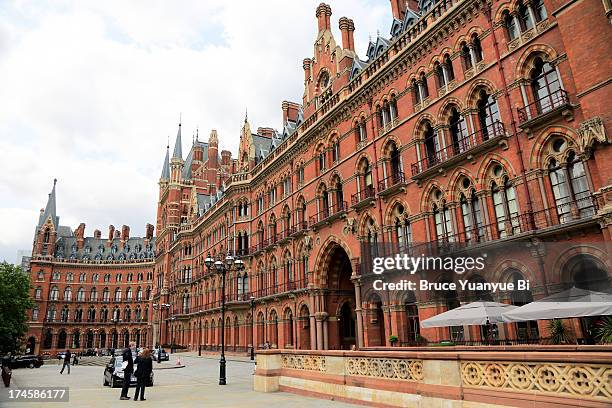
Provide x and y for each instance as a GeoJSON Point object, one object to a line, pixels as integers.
{"type": "Point", "coordinates": [603, 333]}
{"type": "Point", "coordinates": [560, 333]}
{"type": "Point", "coordinates": [393, 339]}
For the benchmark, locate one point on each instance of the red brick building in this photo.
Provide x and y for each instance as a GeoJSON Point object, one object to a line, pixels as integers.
{"type": "Point", "coordinates": [90, 292]}
{"type": "Point", "coordinates": [473, 122]}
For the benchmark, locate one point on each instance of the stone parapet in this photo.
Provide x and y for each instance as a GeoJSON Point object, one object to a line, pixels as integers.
{"type": "Point", "coordinates": [449, 378]}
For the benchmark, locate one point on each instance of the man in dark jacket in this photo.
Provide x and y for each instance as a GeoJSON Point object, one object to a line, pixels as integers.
{"type": "Point", "coordinates": [127, 371]}
{"type": "Point", "coordinates": [67, 360]}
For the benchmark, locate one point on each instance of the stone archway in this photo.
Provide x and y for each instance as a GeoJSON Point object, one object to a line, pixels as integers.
{"type": "Point", "coordinates": [336, 325]}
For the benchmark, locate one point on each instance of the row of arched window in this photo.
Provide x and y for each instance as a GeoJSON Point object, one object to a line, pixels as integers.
{"type": "Point", "coordinates": [93, 294]}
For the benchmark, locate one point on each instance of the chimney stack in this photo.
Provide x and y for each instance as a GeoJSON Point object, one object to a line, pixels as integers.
{"type": "Point", "coordinates": [149, 231]}
{"type": "Point", "coordinates": [125, 233]}
{"type": "Point", "coordinates": [347, 27]}
{"type": "Point", "coordinates": [111, 232]}
{"type": "Point", "coordinates": [80, 236]}
{"type": "Point", "coordinates": [398, 8]}
{"type": "Point", "coordinates": [323, 16]}
{"type": "Point", "coordinates": [97, 234]}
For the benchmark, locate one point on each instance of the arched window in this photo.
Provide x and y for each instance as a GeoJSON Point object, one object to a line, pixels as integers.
{"type": "Point", "coordinates": [511, 28]}
{"type": "Point", "coordinates": [546, 86]}
{"type": "Point", "coordinates": [524, 17]}
{"type": "Point", "coordinates": [506, 208]}
{"type": "Point", "coordinates": [431, 145]}
{"type": "Point", "coordinates": [118, 295]}
{"type": "Point", "coordinates": [81, 295]}
{"type": "Point", "coordinates": [466, 58]}
{"type": "Point", "coordinates": [570, 186]}
{"type": "Point", "coordinates": [139, 294]}
{"type": "Point", "coordinates": [440, 76]}
{"type": "Point", "coordinates": [65, 314]}
{"type": "Point", "coordinates": [423, 86]}
{"type": "Point", "coordinates": [447, 65]}
{"type": "Point", "coordinates": [366, 181]}
{"type": "Point", "coordinates": [539, 10]}
{"type": "Point", "coordinates": [321, 163]}
{"type": "Point", "coordinates": [128, 294]}
{"type": "Point", "coordinates": [339, 204]}
{"type": "Point", "coordinates": [477, 48]}
{"type": "Point", "coordinates": [402, 229]}
{"type": "Point", "coordinates": [38, 293]}
{"type": "Point", "coordinates": [54, 294]}
{"type": "Point", "coordinates": [488, 115]}
{"type": "Point", "coordinates": [35, 314]}
{"type": "Point", "coordinates": [91, 314]}
{"type": "Point", "coordinates": [459, 132]}
{"type": "Point", "coordinates": [471, 213]}
{"type": "Point", "coordinates": [416, 92]}
{"type": "Point", "coordinates": [68, 294]}
{"type": "Point", "coordinates": [93, 295]}
{"type": "Point", "coordinates": [443, 223]}
{"type": "Point", "coordinates": [395, 164]}
{"type": "Point", "coordinates": [106, 295]}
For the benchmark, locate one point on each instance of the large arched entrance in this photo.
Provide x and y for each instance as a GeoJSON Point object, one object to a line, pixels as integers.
{"type": "Point", "coordinates": [340, 300]}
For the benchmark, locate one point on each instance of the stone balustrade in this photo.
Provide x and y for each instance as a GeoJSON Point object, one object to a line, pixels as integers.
{"type": "Point", "coordinates": [564, 376]}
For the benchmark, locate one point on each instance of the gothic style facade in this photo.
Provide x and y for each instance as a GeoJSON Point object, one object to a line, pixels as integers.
{"type": "Point", "coordinates": [473, 122]}
{"type": "Point", "coordinates": [90, 292]}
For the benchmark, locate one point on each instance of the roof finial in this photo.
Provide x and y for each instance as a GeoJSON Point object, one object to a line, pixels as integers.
{"type": "Point", "coordinates": [197, 133]}
{"type": "Point", "coordinates": [168, 144]}
{"type": "Point", "coordinates": [180, 118]}
{"type": "Point", "coordinates": [54, 182]}
{"type": "Point", "coordinates": [377, 33]}
{"type": "Point", "coordinates": [246, 114]}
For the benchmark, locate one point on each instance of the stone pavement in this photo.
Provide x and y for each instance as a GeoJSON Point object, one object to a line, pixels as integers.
{"type": "Point", "coordinates": [194, 385]}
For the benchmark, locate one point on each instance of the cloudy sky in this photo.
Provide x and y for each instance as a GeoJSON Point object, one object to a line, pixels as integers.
{"type": "Point", "coordinates": [90, 91]}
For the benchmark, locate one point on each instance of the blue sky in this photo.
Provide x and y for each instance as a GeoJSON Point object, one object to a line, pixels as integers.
{"type": "Point", "coordinates": [91, 91]}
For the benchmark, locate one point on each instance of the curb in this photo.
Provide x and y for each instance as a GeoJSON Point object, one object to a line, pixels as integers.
{"type": "Point", "coordinates": [169, 368]}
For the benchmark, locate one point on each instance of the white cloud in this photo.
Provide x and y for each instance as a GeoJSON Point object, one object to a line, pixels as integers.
{"type": "Point", "coordinates": [91, 90]}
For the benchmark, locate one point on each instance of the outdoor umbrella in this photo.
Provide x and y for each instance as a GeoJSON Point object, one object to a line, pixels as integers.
{"type": "Point", "coordinates": [476, 313]}
{"type": "Point", "coordinates": [574, 302]}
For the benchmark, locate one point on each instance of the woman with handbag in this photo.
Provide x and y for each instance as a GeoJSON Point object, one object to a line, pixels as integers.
{"type": "Point", "coordinates": [144, 367]}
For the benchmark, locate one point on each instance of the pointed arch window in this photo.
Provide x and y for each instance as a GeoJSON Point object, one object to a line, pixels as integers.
{"type": "Point", "coordinates": [471, 213]}
{"type": "Point", "coordinates": [93, 295]}
{"type": "Point", "coordinates": [443, 223]}
{"type": "Point", "coordinates": [488, 115]}
{"type": "Point", "coordinates": [106, 295]}
{"type": "Point", "coordinates": [570, 189]}
{"type": "Point", "coordinates": [403, 230]}
{"type": "Point", "coordinates": [506, 209]}
{"type": "Point", "coordinates": [81, 295]}
{"type": "Point", "coordinates": [395, 162]}
{"type": "Point", "coordinates": [68, 294]}
{"type": "Point", "coordinates": [431, 145]}
{"type": "Point", "coordinates": [459, 132]}
{"type": "Point", "coordinates": [546, 86]}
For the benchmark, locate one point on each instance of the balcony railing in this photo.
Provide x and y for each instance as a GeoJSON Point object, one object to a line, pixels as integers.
{"type": "Point", "coordinates": [328, 213]}
{"type": "Point", "coordinates": [543, 105]}
{"type": "Point", "coordinates": [281, 288]}
{"type": "Point", "coordinates": [300, 227]}
{"type": "Point", "coordinates": [462, 145]}
{"type": "Point", "coordinates": [366, 194]}
{"type": "Point", "coordinates": [396, 178]}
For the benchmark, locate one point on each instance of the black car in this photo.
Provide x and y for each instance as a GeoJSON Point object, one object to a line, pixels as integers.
{"type": "Point", "coordinates": [113, 374]}
{"type": "Point", "coordinates": [30, 361]}
{"type": "Point", "coordinates": [163, 354]}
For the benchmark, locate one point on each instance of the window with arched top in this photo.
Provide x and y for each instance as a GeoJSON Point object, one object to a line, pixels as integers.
{"type": "Point", "coordinates": [93, 295]}
{"type": "Point", "coordinates": [505, 205]}
{"type": "Point", "coordinates": [81, 295]}
{"type": "Point", "coordinates": [38, 293]}
{"type": "Point", "coordinates": [459, 132]}
{"type": "Point", "coordinates": [432, 155]}
{"type": "Point", "coordinates": [546, 86]}
{"type": "Point", "coordinates": [569, 184]}
{"type": "Point", "coordinates": [68, 294]}
{"type": "Point", "coordinates": [466, 57]}
{"type": "Point", "coordinates": [488, 115]}
{"type": "Point", "coordinates": [471, 213]}
{"type": "Point", "coordinates": [512, 28]}
{"type": "Point", "coordinates": [442, 218]}
{"type": "Point", "coordinates": [118, 295]}
{"type": "Point", "coordinates": [402, 229]}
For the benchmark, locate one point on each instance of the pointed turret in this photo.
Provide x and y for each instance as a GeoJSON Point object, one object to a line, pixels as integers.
{"type": "Point", "coordinates": [178, 149]}
{"type": "Point", "coordinates": [165, 175]}
{"type": "Point", "coordinates": [49, 211]}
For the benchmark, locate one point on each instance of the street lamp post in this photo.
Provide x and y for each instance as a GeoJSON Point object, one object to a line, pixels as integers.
{"type": "Point", "coordinates": [115, 320]}
{"type": "Point", "coordinates": [252, 328]}
{"type": "Point", "coordinates": [222, 268]}
{"type": "Point", "coordinates": [160, 307]}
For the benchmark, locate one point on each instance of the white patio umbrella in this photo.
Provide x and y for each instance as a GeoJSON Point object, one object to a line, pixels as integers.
{"type": "Point", "coordinates": [475, 313]}
{"type": "Point", "coordinates": [574, 302]}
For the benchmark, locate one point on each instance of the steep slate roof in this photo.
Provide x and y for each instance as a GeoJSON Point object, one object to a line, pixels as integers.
{"type": "Point", "coordinates": [166, 166]}
{"type": "Point", "coordinates": [96, 249]}
{"type": "Point", "coordinates": [178, 149]}
{"type": "Point", "coordinates": [186, 174]}
{"type": "Point", "coordinates": [50, 209]}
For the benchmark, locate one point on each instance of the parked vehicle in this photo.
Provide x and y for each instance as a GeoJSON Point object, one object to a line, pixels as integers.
{"type": "Point", "coordinates": [113, 374]}
{"type": "Point", "coordinates": [163, 354]}
{"type": "Point", "coordinates": [89, 352]}
{"type": "Point", "coordinates": [30, 361]}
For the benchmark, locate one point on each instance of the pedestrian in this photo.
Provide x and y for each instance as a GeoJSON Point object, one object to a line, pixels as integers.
{"type": "Point", "coordinates": [67, 357]}
{"type": "Point", "coordinates": [6, 370]}
{"type": "Point", "coordinates": [128, 369]}
{"type": "Point", "coordinates": [144, 367]}
{"type": "Point", "coordinates": [75, 359]}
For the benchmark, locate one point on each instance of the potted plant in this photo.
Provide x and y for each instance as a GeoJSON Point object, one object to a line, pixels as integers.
{"type": "Point", "coordinates": [559, 333]}
{"type": "Point", "coordinates": [393, 339]}
{"type": "Point", "coordinates": [603, 333]}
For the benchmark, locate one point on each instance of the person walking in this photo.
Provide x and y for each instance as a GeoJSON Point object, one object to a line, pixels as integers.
{"type": "Point", "coordinates": [128, 369]}
{"type": "Point", "coordinates": [67, 357]}
{"type": "Point", "coordinates": [144, 367]}
{"type": "Point", "coordinates": [6, 370]}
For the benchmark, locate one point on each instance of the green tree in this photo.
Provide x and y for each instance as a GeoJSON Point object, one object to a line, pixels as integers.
{"type": "Point", "coordinates": [15, 301]}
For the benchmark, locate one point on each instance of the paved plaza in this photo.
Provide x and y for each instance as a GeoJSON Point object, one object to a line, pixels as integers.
{"type": "Point", "coordinates": [194, 385]}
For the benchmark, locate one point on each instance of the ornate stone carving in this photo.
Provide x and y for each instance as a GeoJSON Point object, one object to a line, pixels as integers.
{"type": "Point", "coordinates": [303, 362]}
{"type": "Point", "coordinates": [590, 381]}
{"type": "Point", "coordinates": [350, 227]}
{"type": "Point", "coordinates": [392, 368]}
{"type": "Point", "coordinates": [591, 131]}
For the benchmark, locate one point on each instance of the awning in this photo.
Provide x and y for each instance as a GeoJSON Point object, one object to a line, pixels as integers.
{"type": "Point", "coordinates": [574, 302]}
{"type": "Point", "coordinates": [476, 313]}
